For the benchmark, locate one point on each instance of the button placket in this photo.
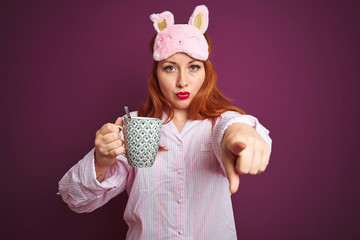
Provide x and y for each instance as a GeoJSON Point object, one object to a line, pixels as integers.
{"type": "Point", "coordinates": [181, 177]}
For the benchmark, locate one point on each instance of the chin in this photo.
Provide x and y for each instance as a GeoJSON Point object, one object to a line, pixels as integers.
{"type": "Point", "coordinates": [181, 106]}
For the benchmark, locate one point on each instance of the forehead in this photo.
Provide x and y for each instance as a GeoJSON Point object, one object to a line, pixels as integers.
{"type": "Point", "coordinates": [180, 58]}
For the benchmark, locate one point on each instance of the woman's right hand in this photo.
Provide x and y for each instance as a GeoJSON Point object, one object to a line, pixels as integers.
{"type": "Point", "coordinates": [108, 145]}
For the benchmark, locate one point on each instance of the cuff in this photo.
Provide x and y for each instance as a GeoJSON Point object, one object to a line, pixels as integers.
{"type": "Point", "coordinates": [88, 174]}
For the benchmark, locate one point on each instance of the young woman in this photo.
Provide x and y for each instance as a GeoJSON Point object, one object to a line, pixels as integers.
{"type": "Point", "coordinates": [205, 144]}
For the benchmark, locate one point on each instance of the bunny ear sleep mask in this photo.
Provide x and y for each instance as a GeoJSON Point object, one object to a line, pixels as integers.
{"type": "Point", "coordinates": [186, 38]}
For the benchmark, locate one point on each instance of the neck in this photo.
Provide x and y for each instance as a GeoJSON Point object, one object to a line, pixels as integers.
{"type": "Point", "coordinates": [180, 118]}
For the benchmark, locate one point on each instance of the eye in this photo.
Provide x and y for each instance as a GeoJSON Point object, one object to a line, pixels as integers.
{"type": "Point", "coordinates": [169, 68]}
{"type": "Point", "coordinates": [193, 38]}
{"type": "Point", "coordinates": [194, 67]}
{"type": "Point", "coordinates": [164, 37]}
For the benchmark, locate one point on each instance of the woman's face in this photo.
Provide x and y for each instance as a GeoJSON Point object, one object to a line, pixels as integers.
{"type": "Point", "coordinates": [180, 78]}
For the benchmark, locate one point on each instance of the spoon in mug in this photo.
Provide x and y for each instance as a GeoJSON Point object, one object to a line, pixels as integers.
{"type": "Point", "coordinates": [127, 114]}
{"type": "Point", "coordinates": [127, 111]}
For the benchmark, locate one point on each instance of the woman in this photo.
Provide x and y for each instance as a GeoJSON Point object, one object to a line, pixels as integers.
{"type": "Point", "coordinates": [206, 142]}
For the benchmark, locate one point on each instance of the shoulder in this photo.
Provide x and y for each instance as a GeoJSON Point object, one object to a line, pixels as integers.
{"type": "Point", "coordinates": [229, 114]}
{"type": "Point", "coordinates": [229, 117]}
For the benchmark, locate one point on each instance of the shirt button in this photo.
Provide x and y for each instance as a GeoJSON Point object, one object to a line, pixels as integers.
{"type": "Point", "coordinates": [179, 171]}
{"type": "Point", "coordinates": [181, 232]}
{"type": "Point", "coordinates": [180, 201]}
{"type": "Point", "coordinates": [178, 143]}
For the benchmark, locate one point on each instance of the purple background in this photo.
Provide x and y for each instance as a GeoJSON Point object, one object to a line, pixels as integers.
{"type": "Point", "coordinates": [67, 67]}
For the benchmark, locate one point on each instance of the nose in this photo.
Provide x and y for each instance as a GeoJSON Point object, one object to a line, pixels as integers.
{"type": "Point", "coordinates": [182, 80]}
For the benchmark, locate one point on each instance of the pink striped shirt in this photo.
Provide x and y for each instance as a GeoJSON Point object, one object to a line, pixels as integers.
{"type": "Point", "coordinates": [184, 195]}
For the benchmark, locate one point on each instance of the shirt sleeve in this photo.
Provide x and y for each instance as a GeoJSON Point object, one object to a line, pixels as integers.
{"type": "Point", "coordinates": [80, 189]}
{"type": "Point", "coordinates": [228, 118]}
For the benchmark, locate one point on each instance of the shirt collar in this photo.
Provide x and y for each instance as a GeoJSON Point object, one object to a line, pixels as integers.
{"type": "Point", "coordinates": [170, 126]}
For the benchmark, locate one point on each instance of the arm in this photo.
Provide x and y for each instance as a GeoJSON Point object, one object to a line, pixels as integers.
{"type": "Point", "coordinates": [83, 193]}
{"type": "Point", "coordinates": [92, 183]}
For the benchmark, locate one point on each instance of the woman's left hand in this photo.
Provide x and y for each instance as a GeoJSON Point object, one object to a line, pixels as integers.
{"type": "Point", "coordinates": [243, 151]}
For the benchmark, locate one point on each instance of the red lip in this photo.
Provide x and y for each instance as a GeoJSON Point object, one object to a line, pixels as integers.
{"type": "Point", "coordinates": [183, 95]}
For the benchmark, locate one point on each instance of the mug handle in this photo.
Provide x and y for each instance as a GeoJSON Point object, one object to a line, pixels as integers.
{"type": "Point", "coordinates": [121, 129]}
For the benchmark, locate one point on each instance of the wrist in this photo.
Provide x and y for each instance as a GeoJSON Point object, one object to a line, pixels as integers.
{"type": "Point", "coordinates": [100, 169]}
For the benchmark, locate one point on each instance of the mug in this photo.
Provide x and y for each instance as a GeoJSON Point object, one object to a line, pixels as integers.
{"type": "Point", "coordinates": [141, 138]}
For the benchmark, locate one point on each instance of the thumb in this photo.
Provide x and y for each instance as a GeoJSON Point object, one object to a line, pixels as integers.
{"type": "Point", "coordinates": [119, 121]}
{"type": "Point", "coordinates": [231, 173]}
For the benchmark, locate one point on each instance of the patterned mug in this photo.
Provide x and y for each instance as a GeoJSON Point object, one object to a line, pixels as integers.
{"type": "Point", "coordinates": [141, 138]}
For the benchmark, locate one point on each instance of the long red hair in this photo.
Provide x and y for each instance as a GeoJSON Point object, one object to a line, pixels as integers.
{"type": "Point", "coordinates": [209, 102]}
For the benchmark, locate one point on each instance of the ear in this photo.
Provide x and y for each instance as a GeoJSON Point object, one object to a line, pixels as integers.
{"type": "Point", "coordinates": [200, 18]}
{"type": "Point", "coordinates": [162, 20]}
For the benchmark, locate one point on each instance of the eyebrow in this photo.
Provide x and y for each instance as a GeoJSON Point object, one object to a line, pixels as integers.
{"type": "Point", "coordinates": [174, 63]}
{"type": "Point", "coordinates": [169, 62]}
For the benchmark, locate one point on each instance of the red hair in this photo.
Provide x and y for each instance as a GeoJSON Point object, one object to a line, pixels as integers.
{"type": "Point", "coordinates": [209, 102]}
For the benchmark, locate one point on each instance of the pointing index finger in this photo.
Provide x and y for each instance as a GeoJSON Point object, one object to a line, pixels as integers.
{"type": "Point", "coordinates": [231, 173]}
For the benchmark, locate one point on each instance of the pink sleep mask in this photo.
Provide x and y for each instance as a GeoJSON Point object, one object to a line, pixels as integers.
{"type": "Point", "coordinates": [186, 38]}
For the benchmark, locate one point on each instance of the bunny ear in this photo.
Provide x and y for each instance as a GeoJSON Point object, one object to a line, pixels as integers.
{"type": "Point", "coordinates": [200, 18]}
{"type": "Point", "coordinates": [162, 20]}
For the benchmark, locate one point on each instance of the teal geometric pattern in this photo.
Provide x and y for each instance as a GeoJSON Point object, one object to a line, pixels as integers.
{"type": "Point", "coordinates": [141, 138]}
